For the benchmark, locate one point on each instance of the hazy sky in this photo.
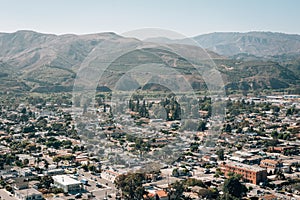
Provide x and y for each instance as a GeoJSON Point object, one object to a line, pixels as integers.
{"type": "Point", "coordinates": [189, 17]}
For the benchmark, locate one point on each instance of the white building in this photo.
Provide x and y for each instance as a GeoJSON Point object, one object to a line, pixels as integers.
{"type": "Point", "coordinates": [67, 183]}
{"type": "Point", "coordinates": [25, 172]}
{"type": "Point", "coordinates": [52, 172]}
{"type": "Point", "coordinates": [28, 194]}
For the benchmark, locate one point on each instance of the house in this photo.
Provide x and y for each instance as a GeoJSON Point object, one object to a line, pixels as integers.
{"type": "Point", "coordinates": [4, 194]}
{"type": "Point", "coordinates": [269, 197]}
{"type": "Point", "coordinates": [26, 172]}
{"type": "Point", "coordinates": [52, 172]}
{"type": "Point", "coordinates": [67, 183]}
{"type": "Point", "coordinates": [159, 194]}
{"type": "Point", "coordinates": [20, 183]}
{"type": "Point", "coordinates": [110, 175]}
{"type": "Point", "coordinates": [28, 194]}
{"type": "Point", "coordinates": [162, 194]}
{"type": "Point", "coordinates": [8, 174]}
{"type": "Point", "coordinates": [254, 160]}
{"type": "Point", "coordinates": [270, 164]}
{"type": "Point", "coordinates": [237, 159]}
{"type": "Point", "coordinates": [23, 157]}
{"type": "Point", "coordinates": [281, 149]}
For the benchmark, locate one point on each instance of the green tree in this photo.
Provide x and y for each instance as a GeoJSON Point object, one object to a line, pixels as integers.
{"type": "Point", "coordinates": [204, 193]}
{"type": "Point", "coordinates": [220, 154]}
{"type": "Point", "coordinates": [227, 128]}
{"type": "Point", "coordinates": [289, 112]}
{"type": "Point", "coordinates": [194, 147]}
{"type": "Point", "coordinates": [202, 126]}
{"type": "Point", "coordinates": [233, 187]}
{"type": "Point", "coordinates": [56, 159]}
{"type": "Point", "coordinates": [178, 189]}
{"type": "Point", "coordinates": [92, 168]}
{"type": "Point", "coordinates": [274, 134]}
{"type": "Point", "coordinates": [175, 172]}
{"type": "Point", "coordinates": [46, 181]}
{"type": "Point", "coordinates": [26, 162]}
{"type": "Point", "coordinates": [194, 182]}
{"type": "Point", "coordinates": [85, 168]}
{"type": "Point", "coordinates": [131, 185]}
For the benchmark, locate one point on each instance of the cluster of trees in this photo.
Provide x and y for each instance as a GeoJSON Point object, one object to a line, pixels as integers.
{"type": "Point", "coordinates": [235, 108]}
{"type": "Point", "coordinates": [89, 167]}
{"type": "Point", "coordinates": [136, 106]}
{"type": "Point", "coordinates": [283, 136]}
{"type": "Point", "coordinates": [194, 147]}
{"type": "Point", "coordinates": [177, 173]}
{"type": "Point", "coordinates": [172, 108]}
{"type": "Point", "coordinates": [191, 106]}
{"type": "Point", "coordinates": [233, 189]}
{"type": "Point", "coordinates": [57, 159]}
{"type": "Point", "coordinates": [7, 159]}
{"type": "Point", "coordinates": [292, 111]}
{"type": "Point", "coordinates": [205, 105]}
{"type": "Point", "coordinates": [220, 154]}
{"type": "Point", "coordinates": [57, 144]}
{"type": "Point", "coordinates": [62, 99]}
{"type": "Point", "coordinates": [132, 188]}
{"type": "Point", "coordinates": [131, 185]}
{"type": "Point", "coordinates": [139, 144]}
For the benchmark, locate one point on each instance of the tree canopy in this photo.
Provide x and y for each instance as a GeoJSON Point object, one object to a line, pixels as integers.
{"type": "Point", "coordinates": [233, 188]}
{"type": "Point", "coordinates": [131, 185]}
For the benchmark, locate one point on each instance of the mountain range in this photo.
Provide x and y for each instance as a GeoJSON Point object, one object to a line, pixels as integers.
{"type": "Point", "coordinates": [31, 61]}
{"type": "Point", "coordinates": [259, 44]}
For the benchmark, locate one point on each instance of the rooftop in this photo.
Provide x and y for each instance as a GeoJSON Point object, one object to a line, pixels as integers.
{"type": "Point", "coordinates": [270, 161]}
{"type": "Point", "coordinates": [244, 166]}
{"type": "Point", "coordinates": [29, 192]}
{"type": "Point", "coordinates": [161, 193]}
{"type": "Point", "coordinates": [6, 195]}
{"type": "Point", "coordinates": [65, 180]}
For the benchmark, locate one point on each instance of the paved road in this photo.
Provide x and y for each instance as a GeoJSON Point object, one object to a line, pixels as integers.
{"type": "Point", "coordinates": [107, 189]}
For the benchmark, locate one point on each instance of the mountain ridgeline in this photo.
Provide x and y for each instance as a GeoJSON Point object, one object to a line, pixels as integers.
{"type": "Point", "coordinates": [36, 62]}
{"type": "Point", "coordinates": [260, 44]}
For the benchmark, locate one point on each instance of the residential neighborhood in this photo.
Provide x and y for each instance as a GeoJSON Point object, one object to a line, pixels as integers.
{"type": "Point", "coordinates": [150, 100]}
{"type": "Point", "coordinates": [44, 156]}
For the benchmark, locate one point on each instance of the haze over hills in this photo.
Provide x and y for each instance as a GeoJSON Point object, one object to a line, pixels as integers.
{"type": "Point", "coordinates": [256, 43]}
{"type": "Point", "coordinates": [32, 61]}
{"type": "Point", "coordinates": [260, 44]}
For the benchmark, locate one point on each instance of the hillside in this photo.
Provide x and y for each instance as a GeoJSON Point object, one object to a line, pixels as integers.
{"type": "Point", "coordinates": [37, 62]}
{"type": "Point", "coordinates": [259, 44]}
{"type": "Point", "coordinates": [45, 61]}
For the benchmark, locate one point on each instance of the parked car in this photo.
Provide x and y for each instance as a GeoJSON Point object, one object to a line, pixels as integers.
{"type": "Point", "coordinates": [78, 195]}
{"type": "Point", "coordinates": [99, 185]}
